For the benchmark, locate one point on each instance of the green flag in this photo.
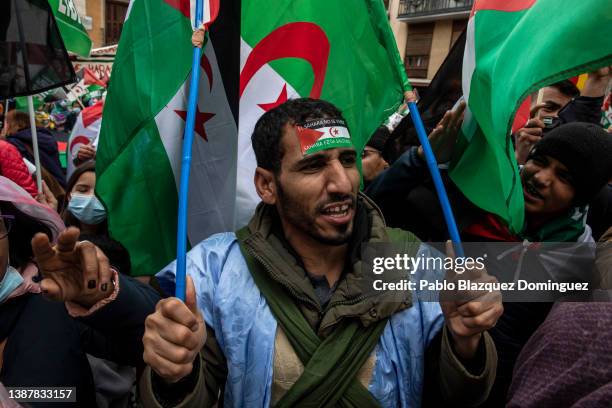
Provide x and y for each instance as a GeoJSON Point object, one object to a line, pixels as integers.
{"type": "Point", "coordinates": [341, 51]}
{"type": "Point", "coordinates": [512, 49]}
{"type": "Point", "coordinates": [70, 26]}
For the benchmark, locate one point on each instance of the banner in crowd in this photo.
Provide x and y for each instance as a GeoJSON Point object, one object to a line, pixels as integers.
{"type": "Point", "coordinates": [99, 62]}
{"type": "Point", "coordinates": [88, 87]}
{"type": "Point", "coordinates": [501, 50]}
{"type": "Point", "coordinates": [85, 131]}
{"type": "Point", "coordinates": [71, 27]}
{"type": "Point", "coordinates": [252, 62]}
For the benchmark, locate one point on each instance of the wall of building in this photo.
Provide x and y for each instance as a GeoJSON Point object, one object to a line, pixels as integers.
{"type": "Point", "coordinates": [95, 10]}
{"type": "Point", "coordinates": [440, 45]}
{"type": "Point", "coordinates": [400, 29]}
{"type": "Point", "coordinates": [93, 15]}
{"type": "Point", "coordinates": [445, 31]}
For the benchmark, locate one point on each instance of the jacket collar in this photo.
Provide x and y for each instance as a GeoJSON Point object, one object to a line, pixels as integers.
{"type": "Point", "coordinates": [354, 295]}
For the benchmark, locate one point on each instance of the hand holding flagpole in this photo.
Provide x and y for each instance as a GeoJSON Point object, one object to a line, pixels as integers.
{"type": "Point", "coordinates": [210, 14]}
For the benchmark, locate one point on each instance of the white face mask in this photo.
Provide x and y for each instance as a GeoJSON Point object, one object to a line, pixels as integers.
{"type": "Point", "coordinates": [12, 279]}
{"type": "Point", "coordinates": [87, 209]}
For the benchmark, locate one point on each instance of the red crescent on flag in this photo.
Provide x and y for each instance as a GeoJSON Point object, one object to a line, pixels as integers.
{"type": "Point", "coordinates": [502, 5]}
{"type": "Point", "coordinates": [78, 140]}
{"type": "Point", "coordinates": [302, 40]}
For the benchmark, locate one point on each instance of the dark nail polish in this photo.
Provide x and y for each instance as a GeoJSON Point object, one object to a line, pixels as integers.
{"type": "Point", "coordinates": [91, 284]}
{"type": "Point", "coordinates": [104, 287]}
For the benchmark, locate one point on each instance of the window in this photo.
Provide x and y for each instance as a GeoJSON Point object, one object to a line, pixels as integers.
{"type": "Point", "coordinates": [115, 15]}
{"type": "Point", "coordinates": [418, 49]}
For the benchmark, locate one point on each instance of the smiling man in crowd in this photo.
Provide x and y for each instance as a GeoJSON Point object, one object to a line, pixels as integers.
{"type": "Point", "coordinates": [562, 174]}
{"type": "Point", "coordinates": [285, 319]}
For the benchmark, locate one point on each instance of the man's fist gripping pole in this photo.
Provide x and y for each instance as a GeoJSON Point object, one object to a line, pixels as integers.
{"type": "Point", "coordinates": [174, 335]}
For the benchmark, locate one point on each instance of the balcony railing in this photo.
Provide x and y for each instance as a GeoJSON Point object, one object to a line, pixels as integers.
{"type": "Point", "coordinates": [427, 9]}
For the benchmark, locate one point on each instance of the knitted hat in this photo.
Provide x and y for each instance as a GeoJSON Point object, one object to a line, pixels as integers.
{"type": "Point", "coordinates": [379, 138]}
{"type": "Point", "coordinates": [586, 150]}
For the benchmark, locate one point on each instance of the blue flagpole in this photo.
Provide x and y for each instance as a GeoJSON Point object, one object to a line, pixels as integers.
{"type": "Point", "coordinates": [430, 159]}
{"type": "Point", "coordinates": [181, 238]}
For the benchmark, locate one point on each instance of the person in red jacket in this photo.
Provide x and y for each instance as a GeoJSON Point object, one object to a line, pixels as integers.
{"type": "Point", "coordinates": [13, 167]}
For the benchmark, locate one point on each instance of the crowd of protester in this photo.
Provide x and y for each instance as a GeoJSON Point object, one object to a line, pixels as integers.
{"type": "Point", "coordinates": [275, 314]}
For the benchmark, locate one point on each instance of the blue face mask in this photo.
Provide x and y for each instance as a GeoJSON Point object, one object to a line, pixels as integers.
{"type": "Point", "coordinates": [87, 208]}
{"type": "Point", "coordinates": [12, 279]}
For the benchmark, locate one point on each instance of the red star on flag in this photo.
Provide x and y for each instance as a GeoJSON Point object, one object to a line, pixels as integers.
{"type": "Point", "coordinates": [282, 98]}
{"type": "Point", "coordinates": [200, 119]}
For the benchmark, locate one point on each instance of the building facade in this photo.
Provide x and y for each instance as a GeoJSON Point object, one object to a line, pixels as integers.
{"type": "Point", "coordinates": [425, 30]}
{"type": "Point", "coordinates": [103, 19]}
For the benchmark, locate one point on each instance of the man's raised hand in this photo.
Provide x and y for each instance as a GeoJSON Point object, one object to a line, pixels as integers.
{"type": "Point", "coordinates": [174, 335]}
{"type": "Point", "coordinates": [443, 138]}
{"type": "Point", "coordinates": [72, 270]}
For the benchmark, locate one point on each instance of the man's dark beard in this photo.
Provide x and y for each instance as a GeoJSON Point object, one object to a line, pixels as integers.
{"type": "Point", "coordinates": [288, 207]}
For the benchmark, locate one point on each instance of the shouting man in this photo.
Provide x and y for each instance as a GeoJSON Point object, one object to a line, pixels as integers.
{"type": "Point", "coordinates": [276, 314]}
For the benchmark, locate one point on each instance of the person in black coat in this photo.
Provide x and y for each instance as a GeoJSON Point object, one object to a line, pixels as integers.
{"type": "Point", "coordinates": [42, 344]}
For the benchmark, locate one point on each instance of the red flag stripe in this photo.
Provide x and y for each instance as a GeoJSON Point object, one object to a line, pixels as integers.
{"type": "Point", "coordinates": [92, 113]}
{"type": "Point", "coordinates": [502, 5]}
{"type": "Point", "coordinates": [213, 6]}
{"type": "Point", "coordinates": [181, 5]}
{"type": "Point", "coordinates": [522, 115]}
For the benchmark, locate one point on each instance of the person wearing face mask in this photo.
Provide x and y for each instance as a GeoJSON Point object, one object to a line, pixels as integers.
{"type": "Point", "coordinates": [83, 209]}
{"type": "Point", "coordinates": [43, 343]}
{"type": "Point", "coordinates": [40, 344]}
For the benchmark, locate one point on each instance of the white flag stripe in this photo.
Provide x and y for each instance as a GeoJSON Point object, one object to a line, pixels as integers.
{"type": "Point", "coordinates": [265, 87]}
{"type": "Point", "coordinates": [212, 183]}
{"type": "Point", "coordinates": [469, 60]}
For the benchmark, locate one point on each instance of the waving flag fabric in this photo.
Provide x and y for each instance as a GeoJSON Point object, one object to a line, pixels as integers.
{"type": "Point", "coordinates": [259, 54]}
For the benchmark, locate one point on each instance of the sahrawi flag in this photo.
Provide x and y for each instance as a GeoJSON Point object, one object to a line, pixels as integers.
{"type": "Point", "coordinates": [514, 48]}
{"type": "Point", "coordinates": [259, 54]}
{"type": "Point", "coordinates": [85, 131]}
